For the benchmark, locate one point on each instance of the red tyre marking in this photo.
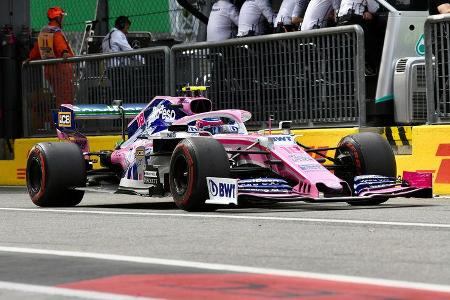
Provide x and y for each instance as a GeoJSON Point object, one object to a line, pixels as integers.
{"type": "Point", "coordinates": [355, 154]}
{"type": "Point", "coordinates": [246, 286]}
{"type": "Point", "coordinates": [191, 171]}
{"type": "Point", "coordinates": [37, 151]}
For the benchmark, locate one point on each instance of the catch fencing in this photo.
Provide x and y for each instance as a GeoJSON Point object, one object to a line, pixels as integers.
{"type": "Point", "coordinates": [437, 41]}
{"type": "Point", "coordinates": [313, 78]}
{"type": "Point", "coordinates": [133, 76]}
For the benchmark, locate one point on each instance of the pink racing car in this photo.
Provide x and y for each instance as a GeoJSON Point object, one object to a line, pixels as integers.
{"type": "Point", "coordinates": [178, 146]}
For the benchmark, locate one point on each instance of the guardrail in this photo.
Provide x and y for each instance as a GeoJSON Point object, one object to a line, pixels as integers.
{"type": "Point", "coordinates": [313, 78]}
{"type": "Point", "coordinates": [437, 53]}
{"type": "Point", "coordinates": [132, 76]}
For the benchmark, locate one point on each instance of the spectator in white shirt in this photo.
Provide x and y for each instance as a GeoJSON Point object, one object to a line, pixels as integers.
{"type": "Point", "coordinates": [318, 13]}
{"type": "Point", "coordinates": [116, 40]}
{"type": "Point", "coordinates": [119, 69]}
{"type": "Point", "coordinates": [283, 22]}
{"type": "Point", "coordinates": [362, 8]}
{"type": "Point", "coordinates": [223, 21]}
{"type": "Point", "coordinates": [298, 13]}
{"type": "Point", "coordinates": [252, 15]}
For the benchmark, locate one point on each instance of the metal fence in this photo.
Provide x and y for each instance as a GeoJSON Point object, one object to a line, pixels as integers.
{"type": "Point", "coordinates": [437, 41]}
{"type": "Point", "coordinates": [312, 78]}
{"type": "Point", "coordinates": [133, 76]}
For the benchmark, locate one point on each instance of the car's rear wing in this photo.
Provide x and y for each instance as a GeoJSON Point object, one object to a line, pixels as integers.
{"type": "Point", "coordinates": [67, 115]}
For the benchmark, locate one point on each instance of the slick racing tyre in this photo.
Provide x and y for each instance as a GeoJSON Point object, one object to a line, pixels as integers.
{"type": "Point", "coordinates": [53, 171]}
{"type": "Point", "coordinates": [365, 153]}
{"type": "Point", "coordinates": [192, 161]}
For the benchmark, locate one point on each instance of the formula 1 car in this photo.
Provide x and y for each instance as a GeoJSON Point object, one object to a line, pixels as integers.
{"type": "Point", "coordinates": [178, 145]}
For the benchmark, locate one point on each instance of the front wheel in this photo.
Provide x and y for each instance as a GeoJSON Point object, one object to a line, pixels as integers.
{"type": "Point", "coordinates": [53, 171]}
{"type": "Point", "coordinates": [365, 153]}
{"type": "Point", "coordinates": [192, 161]}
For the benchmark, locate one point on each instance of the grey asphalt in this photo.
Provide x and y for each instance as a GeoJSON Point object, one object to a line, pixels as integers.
{"type": "Point", "coordinates": [387, 251]}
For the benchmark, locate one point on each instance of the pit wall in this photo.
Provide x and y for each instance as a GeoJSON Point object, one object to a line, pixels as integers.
{"type": "Point", "coordinates": [419, 148]}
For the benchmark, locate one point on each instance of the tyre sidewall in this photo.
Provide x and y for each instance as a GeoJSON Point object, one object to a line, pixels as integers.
{"type": "Point", "coordinates": [36, 155]}
{"type": "Point", "coordinates": [205, 157]}
{"type": "Point", "coordinates": [372, 154]}
{"type": "Point", "coordinates": [62, 168]}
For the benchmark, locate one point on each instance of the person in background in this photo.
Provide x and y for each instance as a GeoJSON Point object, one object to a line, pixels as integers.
{"type": "Point", "coordinates": [357, 11]}
{"type": "Point", "coordinates": [223, 21]}
{"type": "Point", "coordinates": [363, 13]}
{"type": "Point", "coordinates": [298, 12]}
{"type": "Point", "coordinates": [439, 7]}
{"type": "Point", "coordinates": [318, 13]}
{"type": "Point", "coordinates": [52, 43]}
{"type": "Point", "coordinates": [116, 39]}
{"type": "Point", "coordinates": [120, 70]}
{"type": "Point", "coordinates": [283, 22]}
{"type": "Point", "coordinates": [252, 15]}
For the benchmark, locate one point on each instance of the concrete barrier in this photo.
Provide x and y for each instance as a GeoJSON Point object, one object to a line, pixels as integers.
{"type": "Point", "coordinates": [429, 150]}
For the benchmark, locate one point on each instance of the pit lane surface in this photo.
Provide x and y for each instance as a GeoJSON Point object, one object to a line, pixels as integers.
{"type": "Point", "coordinates": [116, 246]}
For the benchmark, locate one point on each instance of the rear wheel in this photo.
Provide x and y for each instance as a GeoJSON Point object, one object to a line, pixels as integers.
{"type": "Point", "coordinates": [365, 154]}
{"type": "Point", "coordinates": [192, 161]}
{"type": "Point", "coordinates": [53, 171]}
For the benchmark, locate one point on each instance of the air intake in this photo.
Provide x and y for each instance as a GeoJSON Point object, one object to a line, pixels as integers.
{"type": "Point", "coordinates": [401, 65]}
{"type": "Point", "coordinates": [410, 91]}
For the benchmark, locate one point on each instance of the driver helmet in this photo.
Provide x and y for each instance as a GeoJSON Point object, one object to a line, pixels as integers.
{"type": "Point", "coordinates": [211, 125]}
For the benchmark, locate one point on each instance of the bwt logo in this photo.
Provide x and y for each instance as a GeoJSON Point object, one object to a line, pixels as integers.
{"type": "Point", "coordinates": [282, 139]}
{"type": "Point", "coordinates": [64, 119]}
{"type": "Point", "coordinates": [222, 189]}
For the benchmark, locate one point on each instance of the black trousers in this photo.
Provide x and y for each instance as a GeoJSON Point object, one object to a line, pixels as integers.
{"type": "Point", "coordinates": [372, 45]}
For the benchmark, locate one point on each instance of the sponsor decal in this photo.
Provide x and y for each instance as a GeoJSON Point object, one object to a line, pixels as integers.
{"type": "Point", "coordinates": [222, 190]}
{"type": "Point", "coordinates": [310, 167]}
{"type": "Point", "coordinates": [105, 108]}
{"type": "Point", "coordinates": [140, 119]}
{"type": "Point", "coordinates": [140, 152]}
{"type": "Point", "coordinates": [162, 112]}
{"type": "Point", "coordinates": [420, 46]}
{"type": "Point", "coordinates": [151, 176]}
{"type": "Point", "coordinates": [64, 119]}
{"type": "Point", "coordinates": [443, 173]}
{"type": "Point", "coordinates": [192, 129]}
{"type": "Point", "coordinates": [299, 158]}
{"type": "Point", "coordinates": [283, 140]}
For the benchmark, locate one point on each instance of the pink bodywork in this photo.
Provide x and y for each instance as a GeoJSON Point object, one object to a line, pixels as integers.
{"type": "Point", "coordinates": [295, 163]}
{"type": "Point", "coordinates": [292, 155]}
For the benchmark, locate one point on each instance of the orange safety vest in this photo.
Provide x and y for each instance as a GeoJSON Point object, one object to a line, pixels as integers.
{"type": "Point", "coordinates": [46, 42]}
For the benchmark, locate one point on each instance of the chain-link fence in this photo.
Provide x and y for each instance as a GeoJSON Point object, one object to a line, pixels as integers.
{"type": "Point", "coordinates": [163, 18]}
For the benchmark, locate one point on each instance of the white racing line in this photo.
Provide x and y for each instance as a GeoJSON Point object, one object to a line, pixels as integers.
{"type": "Point", "coordinates": [215, 267]}
{"type": "Point", "coordinates": [63, 292]}
{"type": "Point", "coordinates": [221, 216]}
